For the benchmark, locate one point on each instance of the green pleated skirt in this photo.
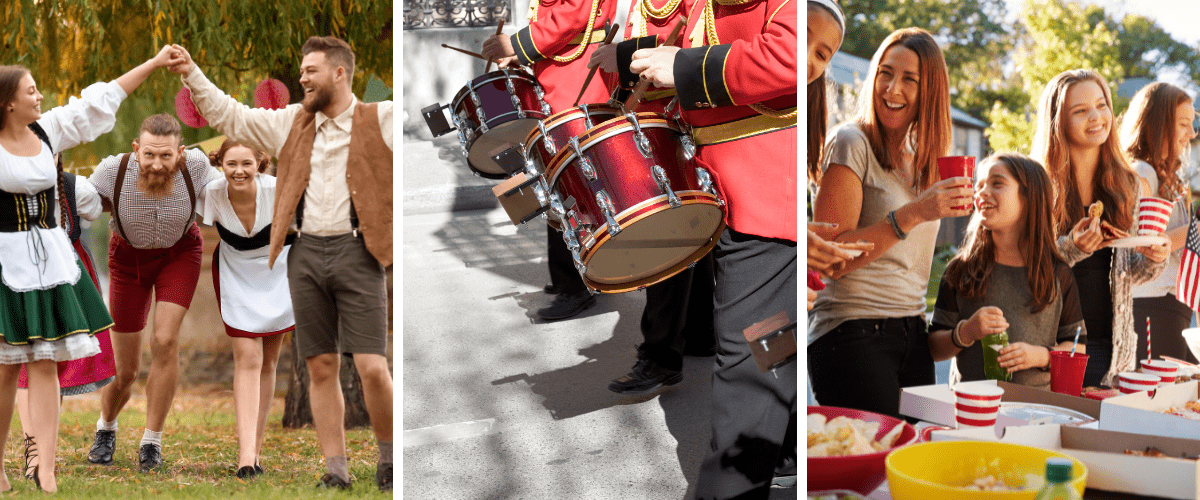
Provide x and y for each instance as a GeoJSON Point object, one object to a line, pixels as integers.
{"type": "Point", "coordinates": [54, 313]}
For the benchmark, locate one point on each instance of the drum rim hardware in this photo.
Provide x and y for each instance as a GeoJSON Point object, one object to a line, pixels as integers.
{"type": "Point", "coordinates": [606, 206]}
{"type": "Point", "coordinates": [639, 138]}
{"type": "Point", "coordinates": [664, 184]}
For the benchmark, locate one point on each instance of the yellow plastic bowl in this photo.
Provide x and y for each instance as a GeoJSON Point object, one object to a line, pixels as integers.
{"type": "Point", "coordinates": [941, 469]}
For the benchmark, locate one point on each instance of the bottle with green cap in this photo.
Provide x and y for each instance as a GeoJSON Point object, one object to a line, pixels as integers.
{"type": "Point", "coordinates": [1058, 474]}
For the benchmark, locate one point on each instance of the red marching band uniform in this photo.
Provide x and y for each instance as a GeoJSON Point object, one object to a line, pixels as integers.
{"type": "Point", "coordinates": [649, 27]}
{"type": "Point", "coordinates": [738, 94]}
{"type": "Point", "coordinates": [560, 38]}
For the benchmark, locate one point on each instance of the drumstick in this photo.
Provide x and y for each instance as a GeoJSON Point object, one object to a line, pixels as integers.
{"type": "Point", "coordinates": [467, 52]}
{"type": "Point", "coordinates": [641, 87]}
{"type": "Point", "coordinates": [612, 33]}
{"type": "Point", "coordinates": [488, 66]}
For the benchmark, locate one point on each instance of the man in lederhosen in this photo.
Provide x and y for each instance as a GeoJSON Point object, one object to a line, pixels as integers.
{"type": "Point", "coordinates": [335, 187]}
{"type": "Point", "coordinates": [155, 247]}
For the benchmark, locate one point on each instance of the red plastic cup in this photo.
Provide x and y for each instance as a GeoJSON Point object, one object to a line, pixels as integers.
{"type": "Point", "coordinates": [956, 166]}
{"type": "Point", "coordinates": [1066, 372]}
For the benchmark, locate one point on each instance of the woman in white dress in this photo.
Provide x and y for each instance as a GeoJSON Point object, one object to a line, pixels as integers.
{"type": "Point", "coordinates": [50, 310]}
{"type": "Point", "coordinates": [254, 300]}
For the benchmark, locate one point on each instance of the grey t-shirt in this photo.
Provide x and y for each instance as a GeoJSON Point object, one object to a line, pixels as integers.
{"type": "Point", "coordinates": [894, 284]}
{"type": "Point", "coordinates": [1009, 290]}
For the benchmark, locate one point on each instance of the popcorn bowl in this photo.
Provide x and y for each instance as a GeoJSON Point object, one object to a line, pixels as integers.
{"type": "Point", "coordinates": [860, 473]}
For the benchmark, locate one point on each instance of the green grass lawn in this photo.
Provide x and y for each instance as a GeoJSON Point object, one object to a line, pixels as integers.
{"type": "Point", "coordinates": [941, 256]}
{"type": "Point", "coordinates": [200, 453]}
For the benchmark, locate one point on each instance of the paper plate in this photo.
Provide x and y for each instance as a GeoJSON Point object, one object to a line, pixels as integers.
{"type": "Point", "coordinates": [1137, 241]}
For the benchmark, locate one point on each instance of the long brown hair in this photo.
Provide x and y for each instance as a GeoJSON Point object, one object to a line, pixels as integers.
{"type": "Point", "coordinates": [10, 79]}
{"type": "Point", "coordinates": [1115, 183]}
{"type": "Point", "coordinates": [1148, 134]}
{"type": "Point", "coordinates": [929, 134]}
{"type": "Point", "coordinates": [817, 116]}
{"type": "Point", "coordinates": [970, 271]}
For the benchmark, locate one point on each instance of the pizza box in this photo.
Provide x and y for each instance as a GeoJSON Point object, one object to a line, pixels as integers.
{"type": "Point", "coordinates": [1109, 468]}
{"type": "Point", "coordinates": [1141, 412]}
{"type": "Point", "coordinates": [935, 403]}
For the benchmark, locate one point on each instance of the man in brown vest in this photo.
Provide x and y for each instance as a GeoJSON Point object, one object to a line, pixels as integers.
{"type": "Point", "coordinates": [335, 188]}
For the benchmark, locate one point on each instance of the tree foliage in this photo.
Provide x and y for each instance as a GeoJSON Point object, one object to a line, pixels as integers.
{"type": "Point", "coordinates": [70, 44]}
{"type": "Point", "coordinates": [1061, 36]}
{"type": "Point", "coordinates": [973, 36]}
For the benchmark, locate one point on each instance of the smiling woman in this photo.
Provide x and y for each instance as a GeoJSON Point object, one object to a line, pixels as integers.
{"type": "Point", "coordinates": [880, 185]}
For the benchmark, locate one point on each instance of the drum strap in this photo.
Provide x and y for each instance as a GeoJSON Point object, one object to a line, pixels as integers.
{"type": "Point", "coordinates": [740, 129]}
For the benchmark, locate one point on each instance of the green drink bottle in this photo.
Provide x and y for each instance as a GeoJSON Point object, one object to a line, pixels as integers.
{"type": "Point", "coordinates": [1058, 473]}
{"type": "Point", "coordinates": [991, 345]}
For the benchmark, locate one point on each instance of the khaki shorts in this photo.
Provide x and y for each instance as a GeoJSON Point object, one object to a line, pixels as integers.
{"type": "Point", "coordinates": [339, 296]}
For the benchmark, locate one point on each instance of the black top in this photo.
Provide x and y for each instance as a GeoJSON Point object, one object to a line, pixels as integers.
{"type": "Point", "coordinates": [1091, 275]}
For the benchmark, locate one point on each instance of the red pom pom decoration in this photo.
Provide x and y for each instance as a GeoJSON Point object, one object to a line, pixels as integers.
{"type": "Point", "coordinates": [271, 94]}
{"type": "Point", "coordinates": [186, 110]}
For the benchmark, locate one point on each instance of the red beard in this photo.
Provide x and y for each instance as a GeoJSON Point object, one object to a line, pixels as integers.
{"type": "Point", "coordinates": [157, 184]}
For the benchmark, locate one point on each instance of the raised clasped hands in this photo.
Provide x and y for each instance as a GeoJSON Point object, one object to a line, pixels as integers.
{"type": "Point", "coordinates": [181, 61]}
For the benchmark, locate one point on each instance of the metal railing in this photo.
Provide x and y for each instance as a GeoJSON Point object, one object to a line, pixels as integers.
{"type": "Point", "coordinates": [419, 14]}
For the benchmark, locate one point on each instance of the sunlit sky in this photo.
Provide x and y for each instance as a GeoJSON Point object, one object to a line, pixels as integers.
{"type": "Point", "coordinates": [1177, 17]}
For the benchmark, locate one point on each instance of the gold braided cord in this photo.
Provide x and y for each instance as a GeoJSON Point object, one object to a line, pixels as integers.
{"type": "Point", "coordinates": [709, 20]}
{"type": "Point", "coordinates": [646, 9]}
{"type": "Point", "coordinates": [666, 10]}
{"type": "Point", "coordinates": [587, 36]}
{"type": "Point", "coordinates": [533, 5]}
{"type": "Point", "coordinates": [773, 113]}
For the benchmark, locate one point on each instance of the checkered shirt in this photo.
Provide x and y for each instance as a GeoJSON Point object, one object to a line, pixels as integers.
{"type": "Point", "coordinates": [151, 222]}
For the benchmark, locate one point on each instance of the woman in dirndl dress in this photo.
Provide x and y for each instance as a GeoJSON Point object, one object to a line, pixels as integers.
{"type": "Point", "coordinates": [254, 299]}
{"type": "Point", "coordinates": [50, 309]}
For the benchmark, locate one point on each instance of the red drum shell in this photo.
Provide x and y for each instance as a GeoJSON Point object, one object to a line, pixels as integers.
{"type": "Point", "coordinates": [562, 127]}
{"type": "Point", "coordinates": [505, 128]}
{"type": "Point", "coordinates": [656, 241]}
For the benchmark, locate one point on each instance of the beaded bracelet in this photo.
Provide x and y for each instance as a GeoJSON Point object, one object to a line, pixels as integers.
{"type": "Point", "coordinates": [891, 218]}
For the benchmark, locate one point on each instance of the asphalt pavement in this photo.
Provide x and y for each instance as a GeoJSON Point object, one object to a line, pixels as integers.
{"type": "Point", "coordinates": [499, 404]}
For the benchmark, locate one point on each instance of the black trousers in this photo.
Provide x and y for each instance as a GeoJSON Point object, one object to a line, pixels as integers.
{"type": "Point", "coordinates": [753, 413]}
{"type": "Point", "coordinates": [1168, 317]}
{"type": "Point", "coordinates": [563, 274]}
{"type": "Point", "coordinates": [863, 363]}
{"type": "Point", "coordinates": [678, 313]}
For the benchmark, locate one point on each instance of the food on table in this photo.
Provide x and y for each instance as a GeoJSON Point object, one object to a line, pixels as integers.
{"type": "Point", "coordinates": [843, 436]}
{"type": "Point", "coordinates": [990, 483]}
{"type": "Point", "coordinates": [1190, 410]}
{"type": "Point", "coordinates": [1100, 393]}
{"type": "Point", "coordinates": [1151, 451]}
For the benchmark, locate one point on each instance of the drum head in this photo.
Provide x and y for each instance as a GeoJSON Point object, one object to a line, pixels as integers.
{"type": "Point", "coordinates": [496, 140]}
{"type": "Point", "coordinates": [655, 247]}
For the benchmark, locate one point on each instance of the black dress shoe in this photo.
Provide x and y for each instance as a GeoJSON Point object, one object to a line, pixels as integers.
{"type": "Point", "coordinates": [150, 457]}
{"type": "Point", "coordinates": [258, 469]}
{"type": "Point", "coordinates": [102, 448]}
{"type": "Point", "coordinates": [332, 481]}
{"type": "Point", "coordinates": [247, 472]}
{"type": "Point", "coordinates": [550, 289]}
{"type": "Point", "coordinates": [566, 305]}
{"type": "Point", "coordinates": [645, 378]}
{"type": "Point", "coordinates": [383, 477]}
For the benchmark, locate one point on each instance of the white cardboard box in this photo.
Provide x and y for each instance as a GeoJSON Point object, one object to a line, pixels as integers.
{"type": "Point", "coordinates": [935, 403]}
{"type": "Point", "coordinates": [1140, 413]}
{"type": "Point", "coordinates": [1109, 468]}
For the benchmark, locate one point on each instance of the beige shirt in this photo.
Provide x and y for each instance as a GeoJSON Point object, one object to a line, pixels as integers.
{"type": "Point", "coordinates": [327, 197]}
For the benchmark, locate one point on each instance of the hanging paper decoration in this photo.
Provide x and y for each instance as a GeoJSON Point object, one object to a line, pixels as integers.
{"type": "Point", "coordinates": [271, 94]}
{"type": "Point", "coordinates": [186, 110]}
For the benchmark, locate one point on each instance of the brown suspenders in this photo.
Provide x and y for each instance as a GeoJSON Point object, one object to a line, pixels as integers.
{"type": "Point", "coordinates": [187, 181]}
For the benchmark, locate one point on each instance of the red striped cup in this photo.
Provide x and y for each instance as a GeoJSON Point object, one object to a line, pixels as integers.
{"type": "Point", "coordinates": [1166, 371]}
{"type": "Point", "coordinates": [977, 404]}
{"type": "Point", "coordinates": [1153, 214]}
{"type": "Point", "coordinates": [1130, 382]}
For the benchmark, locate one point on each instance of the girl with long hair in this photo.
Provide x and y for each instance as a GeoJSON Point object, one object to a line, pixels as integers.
{"type": "Point", "coordinates": [254, 299]}
{"type": "Point", "coordinates": [1074, 143]}
{"type": "Point", "coordinates": [867, 335]}
{"type": "Point", "coordinates": [1007, 276]}
{"type": "Point", "coordinates": [1155, 134]}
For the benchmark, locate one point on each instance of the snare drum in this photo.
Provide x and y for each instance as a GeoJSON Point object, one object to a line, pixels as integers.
{"type": "Point", "coordinates": [643, 211]}
{"type": "Point", "coordinates": [551, 135]}
{"type": "Point", "coordinates": [495, 112]}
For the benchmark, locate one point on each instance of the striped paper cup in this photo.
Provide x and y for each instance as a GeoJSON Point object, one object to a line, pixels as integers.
{"type": "Point", "coordinates": [1166, 371]}
{"type": "Point", "coordinates": [977, 404]}
{"type": "Point", "coordinates": [1136, 382]}
{"type": "Point", "coordinates": [1153, 214]}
